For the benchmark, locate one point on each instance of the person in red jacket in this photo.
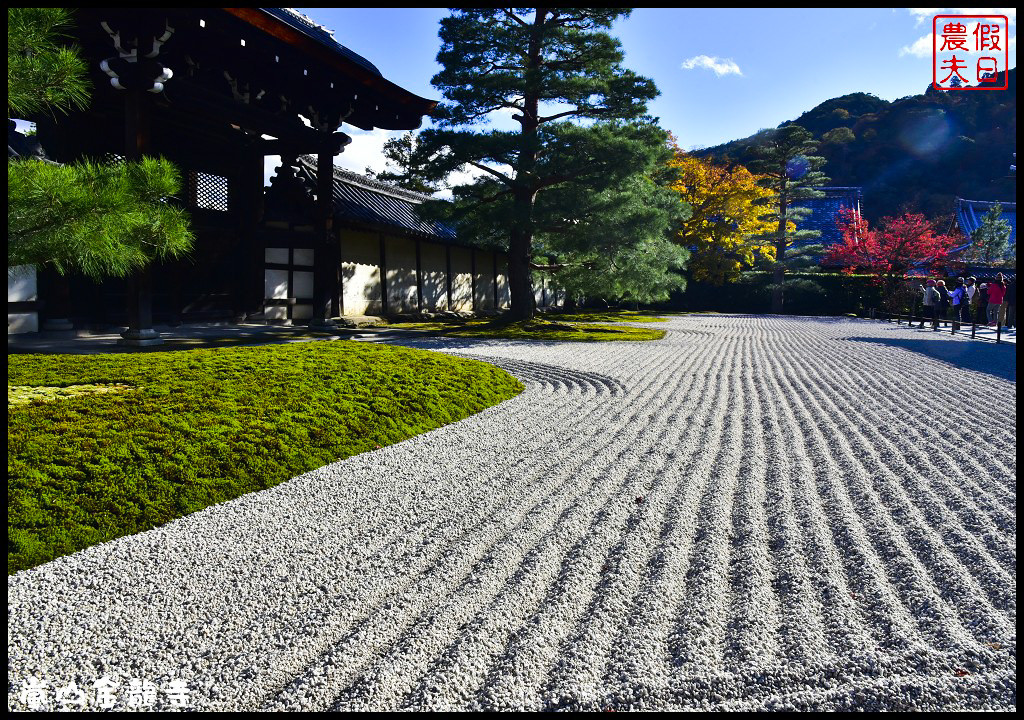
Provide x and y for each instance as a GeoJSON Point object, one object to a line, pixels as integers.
{"type": "Point", "coordinates": [996, 290]}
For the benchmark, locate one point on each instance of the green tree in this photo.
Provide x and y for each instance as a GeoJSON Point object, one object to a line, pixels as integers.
{"type": "Point", "coordinates": [583, 130]}
{"type": "Point", "coordinates": [94, 218]}
{"type": "Point", "coordinates": [990, 244]}
{"type": "Point", "coordinates": [618, 244]}
{"type": "Point", "coordinates": [839, 136]}
{"type": "Point", "coordinates": [410, 174]}
{"type": "Point", "coordinates": [42, 74]}
{"type": "Point", "coordinates": [789, 169]}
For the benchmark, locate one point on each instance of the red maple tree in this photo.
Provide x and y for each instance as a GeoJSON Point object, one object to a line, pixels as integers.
{"type": "Point", "coordinates": [901, 246]}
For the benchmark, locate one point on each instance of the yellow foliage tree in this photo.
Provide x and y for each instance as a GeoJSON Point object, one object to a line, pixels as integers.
{"type": "Point", "coordinates": [724, 218]}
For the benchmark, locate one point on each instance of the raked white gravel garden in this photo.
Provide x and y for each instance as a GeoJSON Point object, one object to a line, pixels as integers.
{"type": "Point", "coordinates": [752, 513]}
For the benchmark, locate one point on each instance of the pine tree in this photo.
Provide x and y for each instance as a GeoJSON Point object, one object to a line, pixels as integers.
{"type": "Point", "coordinates": [42, 74]}
{"type": "Point", "coordinates": [790, 170]}
{"type": "Point", "coordinates": [409, 174]}
{"type": "Point", "coordinates": [990, 244]}
{"type": "Point", "coordinates": [550, 68]}
{"type": "Point", "coordinates": [96, 218]}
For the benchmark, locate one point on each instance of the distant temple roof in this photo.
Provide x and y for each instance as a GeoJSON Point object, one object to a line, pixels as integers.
{"type": "Point", "coordinates": [365, 200]}
{"type": "Point", "coordinates": [969, 214]}
{"type": "Point", "coordinates": [825, 212]}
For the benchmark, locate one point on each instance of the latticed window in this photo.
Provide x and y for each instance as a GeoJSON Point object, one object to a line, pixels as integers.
{"type": "Point", "coordinates": [207, 191]}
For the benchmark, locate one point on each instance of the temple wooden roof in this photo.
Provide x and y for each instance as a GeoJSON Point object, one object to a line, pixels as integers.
{"type": "Point", "coordinates": [369, 202]}
{"type": "Point", "coordinates": [258, 69]}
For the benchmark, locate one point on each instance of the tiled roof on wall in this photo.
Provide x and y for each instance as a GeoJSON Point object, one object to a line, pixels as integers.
{"type": "Point", "coordinates": [362, 199]}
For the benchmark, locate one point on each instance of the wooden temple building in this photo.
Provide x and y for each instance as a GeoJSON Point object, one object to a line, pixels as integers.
{"type": "Point", "coordinates": [215, 91]}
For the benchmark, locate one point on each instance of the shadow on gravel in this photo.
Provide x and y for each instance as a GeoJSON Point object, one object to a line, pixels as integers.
{"type": "Point", "coordinates": [997, 360]}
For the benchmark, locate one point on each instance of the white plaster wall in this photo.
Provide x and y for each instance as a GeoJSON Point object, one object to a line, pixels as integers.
{"type": "Point", "coordinates": [360, 271]}
{"type": "Point", "coordinates": [278, 256]}
{"type": "Point", "coordinates": [400, 262]}
{"type": "Point", "coordinates": [302, 284]}
{"type": "Point", "coordinates": [21, 284]}
{"type": "Point", "coordinates": [462, 279]}
{"type": "Point", "coordinates": [275, 284]}
{"type": "Point", "coordinates": [504, 292]}
{"type": "Point", "coordinates": [303, 256]}
{"type": "Point", "coordinates": [22, 287]}
{"type": "Point", "coordinates": [22, 323]}
{"type": "Point", "coordinates": [484, 280]}
{"type": "Point", "coordinates": [434, 272]}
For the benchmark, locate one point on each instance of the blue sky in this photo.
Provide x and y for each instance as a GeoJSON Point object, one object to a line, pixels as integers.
{"type": "Point", "coordinates": [772, 64]}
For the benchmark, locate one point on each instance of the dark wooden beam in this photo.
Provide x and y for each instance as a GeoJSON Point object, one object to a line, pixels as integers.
{"type": "Point", "coordinates": [389, 91]}
{"type": "Point", "coordinates": [325, 272]}
{"type": "Point", "coordinates": [140, 330]}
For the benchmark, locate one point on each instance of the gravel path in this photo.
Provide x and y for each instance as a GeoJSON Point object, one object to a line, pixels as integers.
{"type": "Point", "coordinates": [753, 513]}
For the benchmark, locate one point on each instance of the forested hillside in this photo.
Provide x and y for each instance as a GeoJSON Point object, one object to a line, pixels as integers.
{"type": "Point", "coordinates": [916, 153]}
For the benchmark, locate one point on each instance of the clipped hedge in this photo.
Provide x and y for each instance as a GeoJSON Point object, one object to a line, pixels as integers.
{"type": "Point", "coordinates": [199, 427]}
{"type": "Point", "coordinates": [840, 294]}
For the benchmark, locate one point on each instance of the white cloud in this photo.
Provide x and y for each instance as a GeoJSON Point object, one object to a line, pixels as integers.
{"type": "Point", "coordinates": [922, 47]}
{"type": "Point", "coordinates": [719, 66]}
{"type": "Point", "coordinates": [366, 150]}
{"type": "Point", "coordinates": [926, 14]}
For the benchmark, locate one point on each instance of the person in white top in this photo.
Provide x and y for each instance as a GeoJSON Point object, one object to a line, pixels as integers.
{"type": "Point", "coordinates": [972, 288]}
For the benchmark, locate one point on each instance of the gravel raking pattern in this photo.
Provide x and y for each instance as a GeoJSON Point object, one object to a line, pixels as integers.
{"type": "Point", "coordinates": [753, 513]}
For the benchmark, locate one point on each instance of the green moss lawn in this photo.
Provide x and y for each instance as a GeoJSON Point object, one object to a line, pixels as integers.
{"type": "Point", "coordinates": [539, 328]}
{"type": "Point", "coordinates": [102, 446]}
{"type": "Point", "coordinates": [605, 316]}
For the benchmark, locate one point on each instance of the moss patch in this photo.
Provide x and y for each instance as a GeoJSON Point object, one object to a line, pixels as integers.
{"type": "Point", "coordinates": [605, 316]}
{"type": "Point", "coordinates": [200, 427]}
{"type": "Point", "coordinates": [539, 328]}
{"type": "Point", "coordinates": [28, 394]}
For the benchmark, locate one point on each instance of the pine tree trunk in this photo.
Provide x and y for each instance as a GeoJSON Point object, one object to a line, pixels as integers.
{"type": "Point", "coordinates": [520, 246]}
{"type": "Point", "coordinates": [519, 281]}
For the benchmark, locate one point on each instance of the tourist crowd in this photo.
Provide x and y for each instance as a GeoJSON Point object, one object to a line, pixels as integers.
{"type": "Point", "coordinates": [992, 303]}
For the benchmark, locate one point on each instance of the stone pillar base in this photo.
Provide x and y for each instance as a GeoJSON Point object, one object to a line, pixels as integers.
{"type": "Point", "coordinates": [322, 324]}
{"type": "Point", "coordinates": [144, 337]}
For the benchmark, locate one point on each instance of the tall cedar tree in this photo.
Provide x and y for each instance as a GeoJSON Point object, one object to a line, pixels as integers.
{"type": "Point", "coordinates": [789, 169]}
{"type": "Point", "coordinates": [528, 62]}
{"type": "Point", "coordinates": [96, 218]}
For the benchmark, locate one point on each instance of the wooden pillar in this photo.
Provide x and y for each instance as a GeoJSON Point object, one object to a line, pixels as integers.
{"type": "Point", "coordinates": [56, 311]}
{"type": "Point", "coordinates": [325, 253]}
{"type": "Point", "coordinates": [140, 330]}
{"type": "Point", "coordinates": [251, 256]}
